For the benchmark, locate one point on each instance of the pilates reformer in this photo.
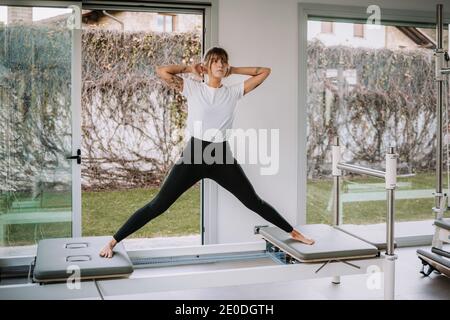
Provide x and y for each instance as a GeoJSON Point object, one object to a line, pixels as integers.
{"type": "Point", "coordinates": [65, 264]}
{"type": "Point", "coordinates": [437, 259]}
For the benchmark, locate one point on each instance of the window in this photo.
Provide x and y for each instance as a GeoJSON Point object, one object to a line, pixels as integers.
{"type": "Point", "coordinates": [359, 91]}
{"type": "Point", "coordinates": [131, 125]}
{"type": "Point", "coordinates": [35, 127]}
{"type": "Point", "coordinates": [358, 30]}
{"type": "Point", "coordinates": [166, 23]}
{"type": "Point", "coordinates": [327, 27]}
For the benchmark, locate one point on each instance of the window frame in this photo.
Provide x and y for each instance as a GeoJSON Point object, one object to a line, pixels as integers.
{"type": "Point", "coordinates": [351, 14]}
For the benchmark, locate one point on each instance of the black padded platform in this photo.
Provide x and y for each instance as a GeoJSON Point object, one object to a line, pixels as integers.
{"type": "Point", "coordinates": [57, 258]}
{"type": "Point", "coordinates": [438, 262]}
{"type": "Point", "coordinates": [330, 243]}
{"type": "Point", "coordinates": [442, 223]}
{"type": "Point", "coordinates": [367, 233]}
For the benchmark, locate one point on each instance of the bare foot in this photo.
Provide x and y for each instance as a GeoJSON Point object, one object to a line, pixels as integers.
{"type": "Point", "coordinates": [300, 237]}
{"type": "Point", "coordinates": [107, 251]}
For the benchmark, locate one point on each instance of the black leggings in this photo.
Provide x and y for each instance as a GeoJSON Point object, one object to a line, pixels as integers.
{"type": "Point", "coordinates": [192, 166]}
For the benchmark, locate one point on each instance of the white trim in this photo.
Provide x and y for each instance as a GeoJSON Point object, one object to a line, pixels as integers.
{"type": "Point", "coordinates": [210, 188]}
{"type": "Point", "coordinates": [210, 209]}
{"type": "Point", "coordinates": [75, 103]}
{"type": "Point", "coordinates": [302, 116]}
{"type": "Point", "coordinates": [76, 129]}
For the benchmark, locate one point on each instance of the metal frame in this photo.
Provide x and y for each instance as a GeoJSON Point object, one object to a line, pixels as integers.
{"type": "Point", "coordinates": [76, 126]}
{"type": "Point", "coordinates": [138, 283]}
{"type": "Point", "coordinates": [390, 177]}
{"type": "Point", "coordinates": [442, 70]}
{"type": "Point", "coordinates": [440, 77]}
{"type": "Point", "coordinates": [75, 100]}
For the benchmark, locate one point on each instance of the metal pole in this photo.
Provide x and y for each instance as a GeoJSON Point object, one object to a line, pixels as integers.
{"type": "Point", "coordinates": [361, 170]}
{"type": "Point", "coordinates": [390, 216]}
{"type": "Point", "coordinates": [390, 257]}
{"type": "Point", "coordinates": [439, 99]}
{"type": "Point", "coordinates": [390, 222]}
{"type": "Point", "coordinates": [336, 213]}
{"type": "Point", "coordinates": [336, 187]}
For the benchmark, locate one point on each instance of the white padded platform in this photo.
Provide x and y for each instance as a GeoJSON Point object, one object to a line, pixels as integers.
{"type": "Point", "coordinates": [440, 263]}
{"type": "Point", "coordinates": [368, 233]}
{"type": "Point", "coordinates": [56, 259]}
{"type": "Point", "coordinates": [330, 243]}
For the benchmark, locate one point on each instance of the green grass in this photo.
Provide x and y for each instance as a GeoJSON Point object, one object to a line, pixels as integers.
{"type": "Point", "coordinates": [104, 212]}
{"type": "Point", "coordinates": [319, 193]}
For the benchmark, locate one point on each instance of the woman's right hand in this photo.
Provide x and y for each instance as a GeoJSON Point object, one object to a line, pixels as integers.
{"type": "Point", "coordinates": [198, 69]}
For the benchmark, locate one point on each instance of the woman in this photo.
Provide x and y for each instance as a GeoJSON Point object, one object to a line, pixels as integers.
{"type": "Point", "coordinates": [212, 105]}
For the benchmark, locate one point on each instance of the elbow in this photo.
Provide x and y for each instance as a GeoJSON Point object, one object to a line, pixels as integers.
{"type": "Point", "coordinates": [268, 71]}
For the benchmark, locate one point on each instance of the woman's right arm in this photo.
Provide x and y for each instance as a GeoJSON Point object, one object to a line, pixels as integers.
{"type": "Point", "coordinates": [169, 75]}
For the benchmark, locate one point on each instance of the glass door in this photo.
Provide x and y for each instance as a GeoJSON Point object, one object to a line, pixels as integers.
{"type": "Point", "coordinates": [39, 126]}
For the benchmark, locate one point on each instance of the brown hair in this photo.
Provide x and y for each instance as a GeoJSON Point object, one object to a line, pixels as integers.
{"type": "Point", "coordinates": [215, 52]}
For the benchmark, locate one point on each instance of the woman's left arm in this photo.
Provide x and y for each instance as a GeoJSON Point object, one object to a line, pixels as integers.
{"type": "Point", "coordinates": [259, 74]}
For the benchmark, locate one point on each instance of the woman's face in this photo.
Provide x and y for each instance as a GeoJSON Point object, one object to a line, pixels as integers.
{"type": "Point", "coordinates": [218, 68]}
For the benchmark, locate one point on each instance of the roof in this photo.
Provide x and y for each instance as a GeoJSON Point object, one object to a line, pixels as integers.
{"type": "Point", "coordinates": [418, 37]}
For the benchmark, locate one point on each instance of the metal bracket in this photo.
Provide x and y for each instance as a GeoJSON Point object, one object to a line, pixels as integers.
{"type": "Point", "coordinates": [256, 228]}
{"type": "Point", "coordinates": [426, 264]}
{"type": "Point", "coordinates": [337, 260]}
{"type": "Point", "coordinates": [390, 257]}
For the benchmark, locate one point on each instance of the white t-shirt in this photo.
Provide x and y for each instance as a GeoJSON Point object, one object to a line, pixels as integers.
{"type": "Point", "coordinates": [211, 110]}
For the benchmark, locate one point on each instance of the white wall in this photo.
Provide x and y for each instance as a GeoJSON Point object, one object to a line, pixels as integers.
{"type": "Point", "coordinates": [265, 33]}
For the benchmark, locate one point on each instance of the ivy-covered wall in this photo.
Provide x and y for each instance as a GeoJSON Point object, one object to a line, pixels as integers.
{"type": "Point", "coordinates": [390, 102]}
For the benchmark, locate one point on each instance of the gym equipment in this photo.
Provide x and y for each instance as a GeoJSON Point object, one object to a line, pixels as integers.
{"type": "Point", "coordinates": [135, 274]}
{"type": "Point", "coordinates": [438, 259]}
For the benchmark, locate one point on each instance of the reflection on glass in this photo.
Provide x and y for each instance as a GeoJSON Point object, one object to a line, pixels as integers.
{"type": "Point", "coordinates": [35, 126]}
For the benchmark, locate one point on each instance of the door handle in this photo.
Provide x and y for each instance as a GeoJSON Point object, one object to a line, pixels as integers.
{"type": "Point", "coordinates": [78, 156]}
